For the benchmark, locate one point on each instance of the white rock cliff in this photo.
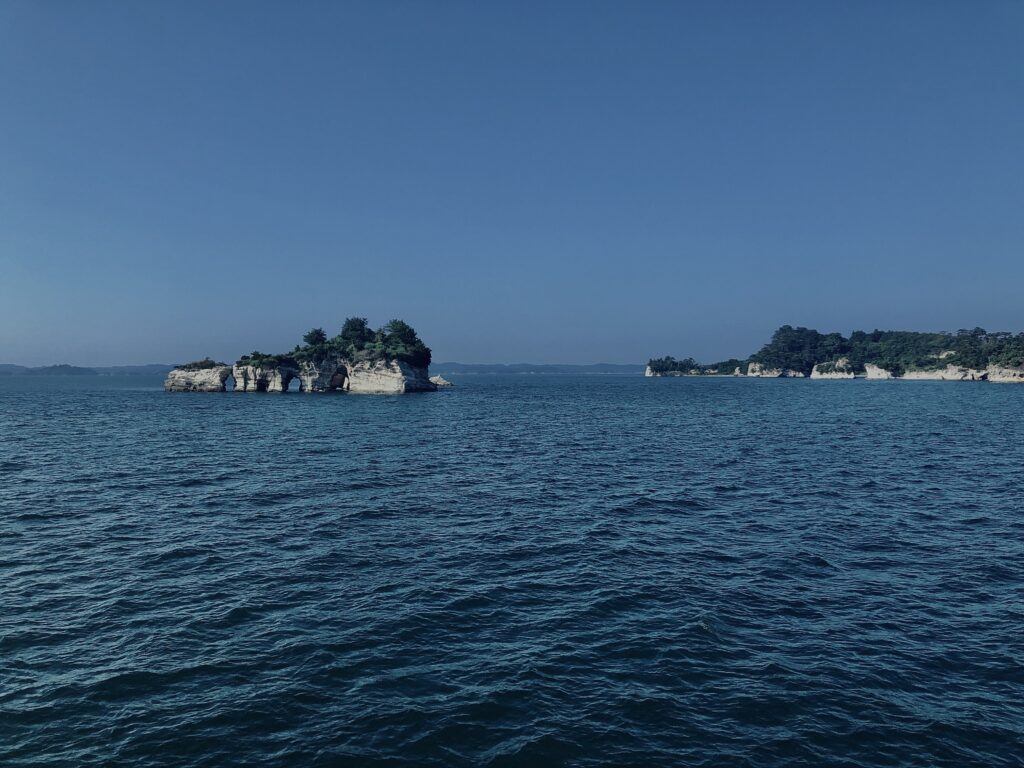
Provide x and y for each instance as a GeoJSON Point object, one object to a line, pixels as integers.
{"type": "Point", "coordinates": [256, 378]}
{"type": "Point", "coordinates": [840, 369]}
{"type": "Point", "coordinates": [369, 377]}
{"type": "Point", "coordinates": [949, 373]}
{"type": "Point", "coordinates": [198, 380]}
{"type": "Point", "coordinates": [872, 371]}
{"type": "Point", "coordinates": [386, 378]}
{"type": "Point", "coordinates": [1001, 375]}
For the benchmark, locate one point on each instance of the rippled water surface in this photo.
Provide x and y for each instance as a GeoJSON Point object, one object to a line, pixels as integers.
{"type": "Point", "coordinates": [520, 571]}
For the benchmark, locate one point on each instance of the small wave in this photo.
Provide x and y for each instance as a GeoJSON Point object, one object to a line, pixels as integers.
{"type": "Point", "coordinates": [645, 504]}
{"type": "Point", "coordinates": [178, 553]}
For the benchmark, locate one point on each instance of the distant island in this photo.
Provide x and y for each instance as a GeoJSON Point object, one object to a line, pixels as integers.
{"type": "Point", "coordinates": [546, 369]}
{"type": "Point", "coordinates": [967, 355]}
{"type": "Point", "coordinates": [7, 369]}
{"type": "Point", "coordinates": [389, 360]}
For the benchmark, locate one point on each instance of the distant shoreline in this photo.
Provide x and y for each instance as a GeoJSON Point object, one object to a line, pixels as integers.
{"type": "Point", "coordinates": [799, 353]}
{"type": "Point", "coordinates": [461, 369]}
{"type": "Point", "coordinates": [152, 369]}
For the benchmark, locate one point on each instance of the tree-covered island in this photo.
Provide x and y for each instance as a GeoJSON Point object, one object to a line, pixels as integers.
{"type": "Point", "coordinates": [804, 352]}
{"type": "Point", "coordinates": [389, 360]}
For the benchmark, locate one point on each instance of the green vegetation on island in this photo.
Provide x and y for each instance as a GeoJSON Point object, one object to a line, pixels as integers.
{"type": "Point", "coordinates": [689, 366]}
{"type": "Point", "coordinates": [201, 365]}
{"type": "Point", "coordinates": [800, 349]}
{"type": "Point", "coordinates": [357, 341]}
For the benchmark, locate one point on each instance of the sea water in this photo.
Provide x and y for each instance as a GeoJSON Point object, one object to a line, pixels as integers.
{"type": "Point", "coordinates": [518, 571]}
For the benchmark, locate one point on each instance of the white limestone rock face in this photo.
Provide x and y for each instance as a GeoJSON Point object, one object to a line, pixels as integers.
{"type": "Point", "coordinates": [254, 378]}
{"type": "Point", "coordinates": [323, 375]}
{"type": "Point", "coordinates": [201, 380]}
{"type": "Point", "coordinates": [839, 370]}
{"type": "Point", "coordinates": [440, 381]}
{"type": "Point", "coordinates": [377, 377]}
{"type": "Point", "coordinates": [872, 371]}
{"type": "Point", "coordinates": [1001, 375]}
{"type": "Point", "coordinates": [737, 372]}
{"type": "Point", "coordinates": [649, 372]}
{"type": "Point", "coordinates": [387, 378]}
{"type": "Point", "coordinates": [949, 373]}
{"type": "Point", "coordinates": [759, 371]}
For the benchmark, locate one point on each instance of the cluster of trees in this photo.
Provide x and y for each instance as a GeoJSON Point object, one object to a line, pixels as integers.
{"type": "Point", "coordinates": [690, 366]}
{"type": "Point", "coordinates": [200, 365]}
{"type": "Point", "coordinates": [800, 349]}
{"type": "Point", "coordinates": [396, 340]}
{"type": "Point", "coordinates": [899, 351]}
{"type": "Point", "coordinates": [670, 365]}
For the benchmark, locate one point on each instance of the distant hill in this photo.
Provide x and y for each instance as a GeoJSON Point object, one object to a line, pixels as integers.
{"type": "Point", "coordinates": [152, 369]}
{"type": "Point", "coordinates": [470, 368]}
{"type": "Point", "coordinates": [162, 369]}
{"type": "Point", "coordinates": [60, 370]}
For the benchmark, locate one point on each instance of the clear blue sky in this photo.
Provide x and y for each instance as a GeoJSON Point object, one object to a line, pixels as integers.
{"type": "Point", "coordinates": [522, 181]}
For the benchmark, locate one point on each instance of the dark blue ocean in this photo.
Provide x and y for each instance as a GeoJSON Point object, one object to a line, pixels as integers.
{"type": "Point", "coordinates": [520, 571]}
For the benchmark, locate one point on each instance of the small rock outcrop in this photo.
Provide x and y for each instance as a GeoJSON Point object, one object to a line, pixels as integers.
{"type": "Point", "coordinates": [190, 379]}
{"type": "Point", "coordinates": [440, 381]}
{"type": "Point", "coordinates": [649, 372]}
{"type": "Point", "coordinates": [872, 371]}
{"type": "Point", "coordinates": [840, 369]}
{"type": "Point", "coordinates": [759, 371]}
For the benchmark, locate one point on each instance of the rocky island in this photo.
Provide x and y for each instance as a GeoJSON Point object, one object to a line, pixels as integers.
{"type": "Point", "coordinates": [389, 360]}
{"type": "Point", "coordinates": [967, 355]}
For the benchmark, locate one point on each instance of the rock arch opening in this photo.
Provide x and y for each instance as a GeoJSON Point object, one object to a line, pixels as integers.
{"type": "Point", "coordinates": [339, 379]}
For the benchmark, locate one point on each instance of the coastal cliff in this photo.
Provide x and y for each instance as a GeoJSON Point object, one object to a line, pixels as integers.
{"type": "Point", "coordinates": [394, 377]}
{"type": "Point", "coordinates": [759, 371]}
{"type": "Point", "coordinates": [263, 378]}
{"type": "Point", "coordinates": [323, 375]}
{"type": "Point", "coordinates": [1000, 375]}
{"type": "Point", "coordinates": [949, 373]}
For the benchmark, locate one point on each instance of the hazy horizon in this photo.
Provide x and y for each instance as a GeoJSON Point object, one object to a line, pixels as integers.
{"type": "Point", "coordinates": [231, 357]}
{"type": "Point", "coordinates": [569, 184]}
